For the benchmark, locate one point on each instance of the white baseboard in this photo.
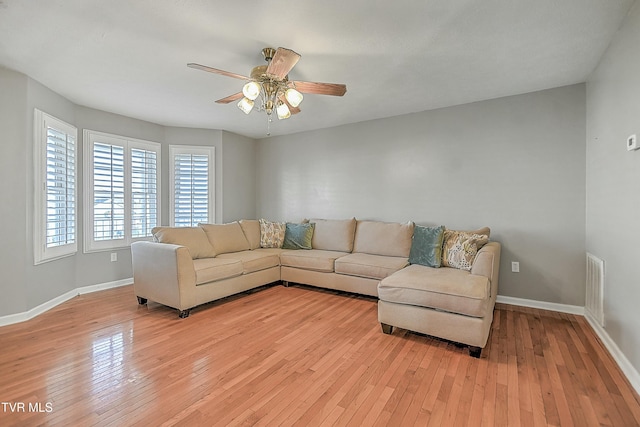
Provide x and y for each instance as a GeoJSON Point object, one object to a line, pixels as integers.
{"type": "Point", "coordinates": [46, 306]}
{"type": "Point", "coordinates": [618, 356]}
{"type": "Point", "coordinates": [625, 366]}
{"type": "Point", "coordinates": [102, 286]}
{"type": "Point", "coordinates": [552, 306]}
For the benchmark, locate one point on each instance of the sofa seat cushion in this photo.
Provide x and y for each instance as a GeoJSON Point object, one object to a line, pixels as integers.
{"type": "Point", "coordinates": [253, 261]}
{"type": "Point", "coordinates": [212, 269]}
{"type": "Point", "coordinates": [369, 266]}
{"type": "Point", "coordinates": [276, 251]}
{"type": "Point", "coordinates": [312, 259]}
{"type": "Point", "coordinates": [446, 289]}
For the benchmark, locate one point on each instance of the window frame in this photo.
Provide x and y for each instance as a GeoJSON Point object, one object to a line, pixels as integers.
{"type": "Point", "coordinates": [197, 150]}
{"type": "Point", "coordinates": [41, 253]}
{"type": "Point", "coordinates": [90, 137]}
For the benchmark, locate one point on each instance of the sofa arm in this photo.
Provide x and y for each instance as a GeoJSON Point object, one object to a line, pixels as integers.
{"type": "Point", "coordinates": [487, 264]}
{"type": "Point", "coordinates": [163, 273]}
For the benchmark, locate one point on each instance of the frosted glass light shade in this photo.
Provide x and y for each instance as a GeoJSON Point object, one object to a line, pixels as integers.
{"type": "Point", "coordinates": [294, 98]}
{"type": "Point", "coordinates": [251, 90]}
{"type": "Point", "coordinates": [283, 111]}
{"type": "Point", "coordinates": [246, 105]}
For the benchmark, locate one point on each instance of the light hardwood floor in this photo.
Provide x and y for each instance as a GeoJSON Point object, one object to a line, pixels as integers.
{"type": "Point", "coordinates": [299, 356]}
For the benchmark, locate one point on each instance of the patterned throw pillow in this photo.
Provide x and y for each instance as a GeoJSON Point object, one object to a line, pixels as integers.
{"type": "Point", "coordinates": [271, 234]}
{"type": "Point", "coordinates": [298, 236]}
{"type": "Point", "coordinates": [460, 248]}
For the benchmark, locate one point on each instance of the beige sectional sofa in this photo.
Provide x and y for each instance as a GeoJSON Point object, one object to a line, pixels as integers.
{"type": "Point", "coordinates": [186, 267]}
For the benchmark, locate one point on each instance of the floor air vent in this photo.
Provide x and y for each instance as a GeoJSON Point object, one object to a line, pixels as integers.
{"type": "Point", "coordinates": [594, 303]}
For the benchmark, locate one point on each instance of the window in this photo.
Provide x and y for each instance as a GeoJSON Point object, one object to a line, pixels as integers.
{"type": "Point", "coordinates": [191, 175]}
{"type": "Point", "coordinates": [122, 196]}
{"type": "Point", "coordinates": [55, 188]}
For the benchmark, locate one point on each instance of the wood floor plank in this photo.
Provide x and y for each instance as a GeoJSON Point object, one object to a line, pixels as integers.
{"type": "Point", "coordinates": [300, 356]}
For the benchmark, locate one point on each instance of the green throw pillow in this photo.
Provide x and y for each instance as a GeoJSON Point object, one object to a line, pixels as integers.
{"type": "Point", "coordinates": [426, 246]}
{"type": "Point", "coordinates": [298, 236]}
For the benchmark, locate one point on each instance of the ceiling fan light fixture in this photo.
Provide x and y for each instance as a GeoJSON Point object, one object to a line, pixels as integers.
{"type": "Point", "coordinates": [268, 87]}
{"type": "Point", "coordinates": [251, 90]}
{"type": "Point", "coordinates": [283, 111]}
{"type": "Point", "coordinates": [294, 98]}
{"type": "Point", "coordinates": [246, 105]}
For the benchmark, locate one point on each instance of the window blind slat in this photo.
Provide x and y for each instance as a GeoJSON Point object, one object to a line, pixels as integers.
{"type": "Point", "coordinates": [144, 192]}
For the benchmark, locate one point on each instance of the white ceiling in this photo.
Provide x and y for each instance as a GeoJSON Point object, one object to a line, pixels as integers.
{"type": "Point", "coordinates": [129, 57]}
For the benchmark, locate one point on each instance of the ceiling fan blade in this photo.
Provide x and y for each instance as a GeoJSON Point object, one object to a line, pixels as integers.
{"type": "Point", "coordinates": [283, 61]}
{"type": "Point", "coordinates": [216, 71]}
{"type": "Point", "coordinates": [334, 89]}
{"type": "Point", "coordinates": [230, 98]}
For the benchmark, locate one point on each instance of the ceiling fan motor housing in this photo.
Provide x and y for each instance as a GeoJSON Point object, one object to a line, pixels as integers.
{"type": "Point", "coordinates": [268, 53]}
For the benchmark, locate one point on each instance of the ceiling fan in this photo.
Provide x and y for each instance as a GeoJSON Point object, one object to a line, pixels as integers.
{"type": "Point", "coordinates": [271, 83]}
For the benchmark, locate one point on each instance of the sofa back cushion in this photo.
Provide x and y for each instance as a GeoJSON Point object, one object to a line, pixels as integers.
{"type": "Point", "coordinates": [193, 238]}
{"type": "Point", "coordinates": [251, 229]}
{"type": "Point", "coordinates": [226, 238]}
{"type": "Point", "coordinates": [333, 234]}
{"type": "Point", "coordinates": [383, 238]}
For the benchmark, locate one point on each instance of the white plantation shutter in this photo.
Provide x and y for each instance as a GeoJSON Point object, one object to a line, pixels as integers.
{"type": "Point", "coordinates": [144, 192]}
{"type": "Point", "coordinates": [55, 188]}
{"type": "Point", "coordinates": [192, 179]}
{"type": "Point", "coordinates": [108, 191]}
{"type": "Point", "coordinates": [61, 188]}
{"type": "Point", "coordinates": [122, 183]}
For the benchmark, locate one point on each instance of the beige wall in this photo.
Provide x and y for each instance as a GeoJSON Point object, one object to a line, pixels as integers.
{"type": "Point", "coordinates": [516, 164]}
{"type": "Point", "coordinates": [613, 182]}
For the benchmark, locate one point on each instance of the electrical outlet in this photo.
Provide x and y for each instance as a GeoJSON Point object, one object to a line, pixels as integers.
{"type": "Point", "coordinates": [515, 267]}
{"type": "Point", "coordinates": [632, 143]}
{"type": "Point", "coordinates": [114, 256]}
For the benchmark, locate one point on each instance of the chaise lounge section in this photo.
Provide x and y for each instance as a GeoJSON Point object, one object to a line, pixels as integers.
{"type": "Point", "coordinates": [445, 302]}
